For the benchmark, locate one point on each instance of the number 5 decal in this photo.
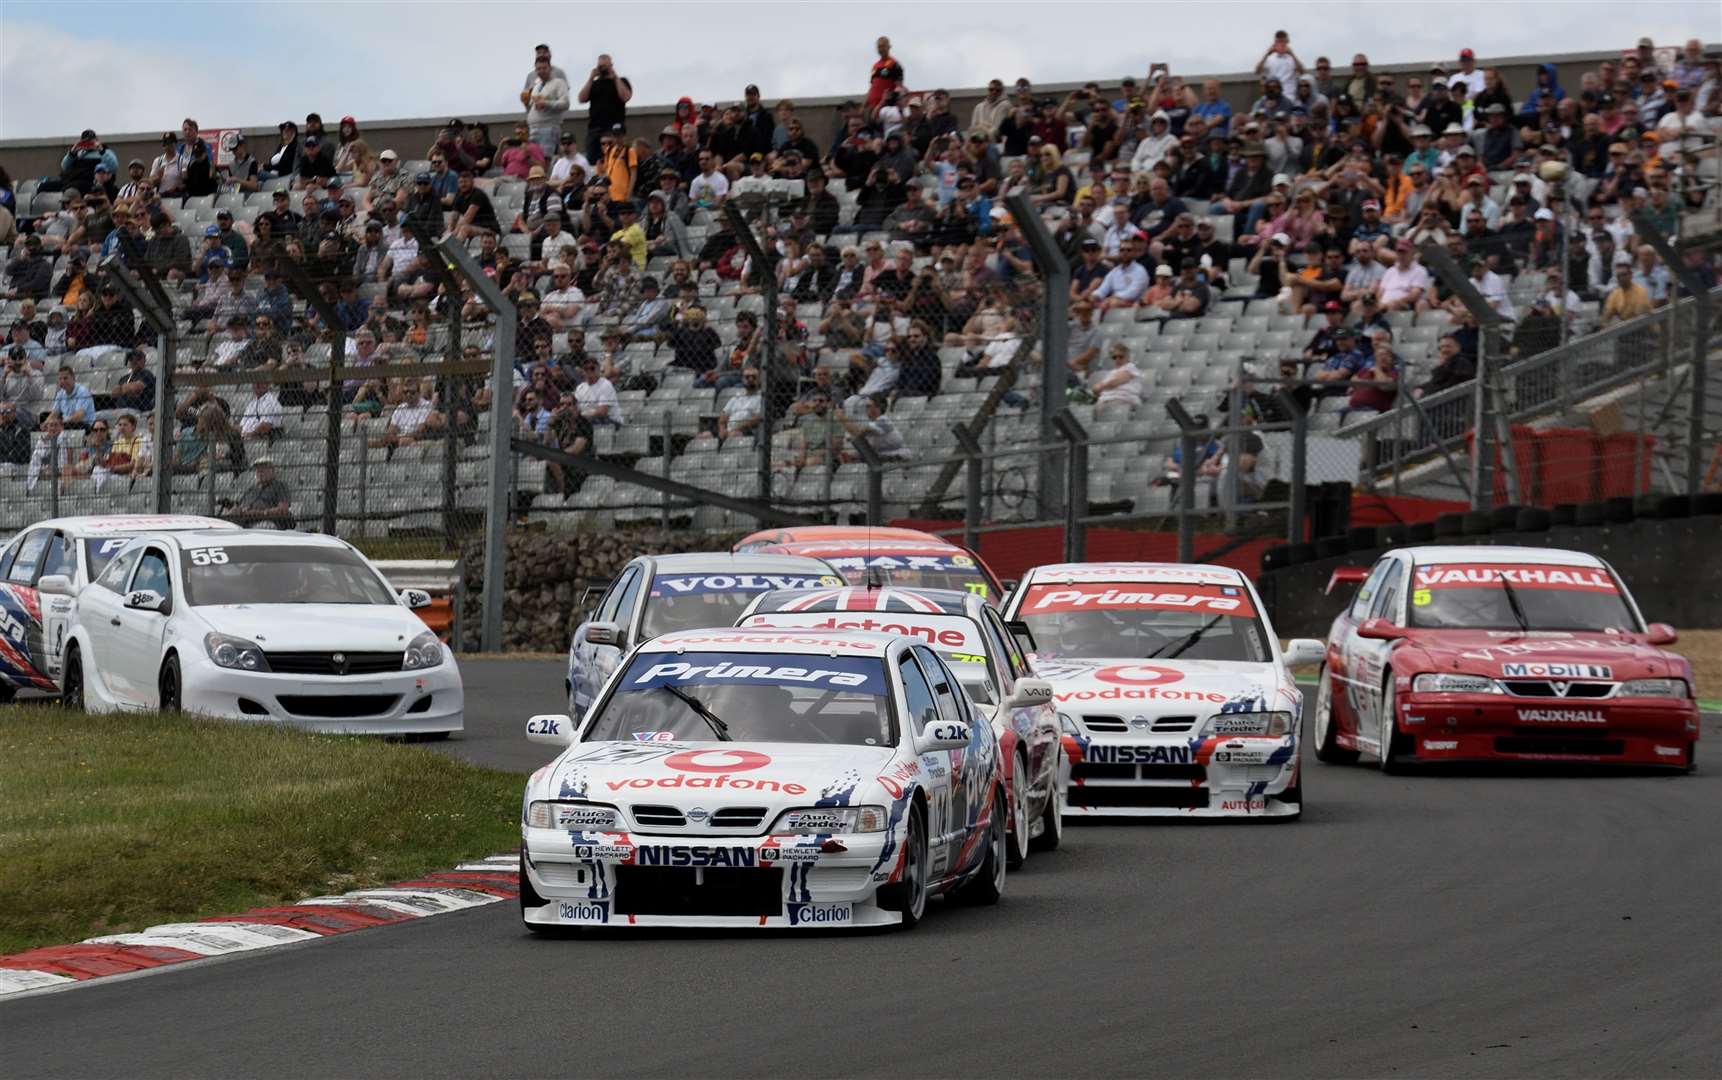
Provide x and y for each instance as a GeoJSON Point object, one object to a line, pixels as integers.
{"type": "Point", "coordinates": [208, 556]}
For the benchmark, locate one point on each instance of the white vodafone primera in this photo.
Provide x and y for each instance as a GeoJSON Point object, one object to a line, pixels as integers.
{"type": "Point", "coordinates": [273, 627]}
{"type": "Point", "coordinates": [1174, 695]}
{"type": "Point", "coordinates": [765, 778]}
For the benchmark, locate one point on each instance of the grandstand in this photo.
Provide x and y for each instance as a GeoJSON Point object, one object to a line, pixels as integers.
{"type": "Point", "coordinates": [1256, 310]}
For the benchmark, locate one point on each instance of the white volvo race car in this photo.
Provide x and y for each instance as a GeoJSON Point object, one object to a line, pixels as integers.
{"type": "Point", "coordinates": [770, 778]}
{"type": "Point", "coordinates": [273, 627]}
{"type": "Point", "coordinates": [33, 628]}
{"type": "Point", "coordinates": [1175, 697]}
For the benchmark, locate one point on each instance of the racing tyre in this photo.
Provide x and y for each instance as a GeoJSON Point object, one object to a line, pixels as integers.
{"type": "Point", "coordinates": [7, 693]}
{"type": "Point", "coordinates": [1052, 818]}
{"type": "Point", "coordinates": [1393, 746]}
{"type": "Point", "coordinates": [167, 685]}
{"type": "Point", "coordinates": [909, 895]}
{"type": "Point", "coordinates": [1326, 732]}
{"type": "Point", "coordinates": [988, 884]}
{"type": "Point", "coordinates": [72, 682]}
{"type": "Point", "coordinates": [1017, 841]}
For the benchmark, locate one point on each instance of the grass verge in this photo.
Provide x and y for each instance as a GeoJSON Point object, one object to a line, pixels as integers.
{"type": "Point", "coordinates": [1703, 649]}
{"type": "Point", "coordinates": [114, 823]}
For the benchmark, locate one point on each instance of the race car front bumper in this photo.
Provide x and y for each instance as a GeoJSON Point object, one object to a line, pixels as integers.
{"type": "Point", "coordinates": [1495, 727]}
{"type": "Point", "coordinates": [589, 879]}
{"type": "Point", "coordinates": [1215, 776]}
{"type": "Point", "coordinates": [427, 701]}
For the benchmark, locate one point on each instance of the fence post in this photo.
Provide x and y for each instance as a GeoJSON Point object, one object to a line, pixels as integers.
{"type": "Point", "coordinates": [501, 454]}
{"type": "Point", "coordinates": [1054, 331]}
{"type": "Point", "coordinates": [54, 465]}
{"type": "Point", "coordinates": [1076, 484]}
{"type": "Point", "coordinates": [667, 417]}
{"type": "Point", "coordinates": [765, 270]}
{"type": "Point", "coordinates": [301, 283]}
{"type": "Point", "coordinates": [1489, 431]}
{"type": "Point", "coordinates": [1299, 466]}
{"type": "Point", "coordinates": [875, 479]}
{"type": "Point", "coordinates": [971, 451]}
{"type": "Point", "coordinates": [167, 359]}
{"type": "Point", "coordinates": [1186, 506]}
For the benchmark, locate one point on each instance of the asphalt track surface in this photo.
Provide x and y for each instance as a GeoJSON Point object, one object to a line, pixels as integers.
{"type": "Point", "coordinates": [1476, 923]}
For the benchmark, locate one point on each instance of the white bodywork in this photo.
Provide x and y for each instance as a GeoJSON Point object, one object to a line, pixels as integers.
{"type": "Point", "coordinates": [338, 667]}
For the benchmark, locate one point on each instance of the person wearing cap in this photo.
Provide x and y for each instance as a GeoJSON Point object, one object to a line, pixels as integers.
{"type": "Point", "coordinates": [1628, 299]}
{"type": "Point", "coordinates": [1439, 108]}
{"type": "Point", "coordinates": [606, 95]}
{"type": "Point", "coordinates": [29, 273]}
{"type": "Point", "coordinates": [266, 502]}
{"type": "Point", "coordinates": [1498, 144]}
{"type": "Point", "coordinates": [78, 165]}
{"type": "Point", "coordinates": [1405, 284]}
{"type": "Point", "coordinates": [668, 158]}
{"type": "Point", "coordinates": [213, 251]}
{"type": "Point", "coordinates": [316, 163]}
{"type": "Point", "coordinates": [1154, 146]}
{"type": "Point", "coordinates": [1684, 126]}
{"type": "Point", "coordinates": [569, 166]}
{"type": "Point", "coordinates": [617, 161]}
{"type": "Point", "coordinates": [168, 251]}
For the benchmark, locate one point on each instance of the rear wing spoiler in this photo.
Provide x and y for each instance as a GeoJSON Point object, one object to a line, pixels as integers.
{"type": "Point", "coordinates": [1347, 575]}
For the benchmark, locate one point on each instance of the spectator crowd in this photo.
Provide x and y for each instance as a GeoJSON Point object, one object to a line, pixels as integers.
{"type": "Point", "coordinates": [899, 272]}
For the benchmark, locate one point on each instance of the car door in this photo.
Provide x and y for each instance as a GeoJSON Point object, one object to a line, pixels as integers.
{"type": "Point", "coordinates": [1349, 706]}
{"type": "Point", "coordinates": [593, 663]}
{"type": "Point", "coordinates": [98, 614]}
{"type": "Point", "coordinates": [921, 707]}
{"type": "Point", "coordinates": [62, 559]}
{"type": "Point", "coordinates": [137, 641]}
{"type": "Point", "coordinates": [21, 639]}
{"type": "Point", "coordinates": [947, 835]}
{"type": "Point", "coordinates": [1368, 658]}
{"type": "Point", "coordinates": [1035, 725]}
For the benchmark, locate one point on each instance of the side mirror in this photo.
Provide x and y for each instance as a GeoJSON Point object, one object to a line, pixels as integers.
{"type": "Point", "coordinates": [556, 729]}
{"type": "Point", "coordinates": [603, 633]}
{"type": "Point", "coordinates": [145, 600]}
{"type": "Point", "coordinates": [1304, 652]}
{"type": "Point", "coordinates": [1347, 575]}
{"type": "Point", "coordinates": [55, 585]}
{"type": "Point", "coordinates": [945, 735]}
{"type": "Point", "coordinates": [1379, 630]}
{"type": "Point", "coordinates": [1657, 633]}
{"type": "Point", "coordinates": [1031, 692]}
{"type": "Point", "coordinates": [415, 598]}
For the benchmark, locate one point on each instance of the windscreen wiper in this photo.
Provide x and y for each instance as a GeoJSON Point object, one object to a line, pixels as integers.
{"type": "Point", "coordinates": [713, 721]}
{"type": "Point", "coordinates": [1513, 602]}
{"type": "Point", "coordinates": [1186, 641]}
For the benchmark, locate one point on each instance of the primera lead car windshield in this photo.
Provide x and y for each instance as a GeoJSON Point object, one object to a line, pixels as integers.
{"type": "Point", "coordinates": [748, 697]}
{"type": "Point", "coordinates": [287, 574]}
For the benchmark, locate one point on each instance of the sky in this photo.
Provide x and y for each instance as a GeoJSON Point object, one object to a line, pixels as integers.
{"type": "Point", "coordinates": [145, 66]}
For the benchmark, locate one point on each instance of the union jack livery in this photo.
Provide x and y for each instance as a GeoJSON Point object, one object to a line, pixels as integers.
{"type": "Point", "coordinates": [1504, 654]}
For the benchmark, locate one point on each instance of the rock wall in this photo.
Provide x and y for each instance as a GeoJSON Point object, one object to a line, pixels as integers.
{"type": "Point", "coordinates": [548, 572]}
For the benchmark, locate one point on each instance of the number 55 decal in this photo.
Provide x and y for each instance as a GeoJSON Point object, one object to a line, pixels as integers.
{"type": "Point", "coordinates": [208, 556]}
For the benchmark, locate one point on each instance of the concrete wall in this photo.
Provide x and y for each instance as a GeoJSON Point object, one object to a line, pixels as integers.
{"type": "Point", "coordinates": [1670, 565]}
{"type": "Point", "coordinates": [412, 137]}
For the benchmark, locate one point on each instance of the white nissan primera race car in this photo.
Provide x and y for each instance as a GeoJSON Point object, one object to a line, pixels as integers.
{"type": "Point", "coordinates": [1175, 697]}
{"type": "Point", "coordinates": [273, 627]}
{"type": "Point", "coordinates": [769, 778]}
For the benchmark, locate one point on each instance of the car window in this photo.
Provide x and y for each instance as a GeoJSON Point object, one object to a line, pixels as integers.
{"type": "Point", "coordinates": [916, 693]}
{"type": "Point", "coordinates": [607, 606]}
{"type": "Point", "coordinates": [630, 593]}
{"type": "Point", "coordinates": [943, 692]}
{"type": "Point", "coordinates": [1003, 645]}
{"type": "Point", "coordinates": [1392, 586]}
{"type": "Point", "coordinates": [1368, 591]}
{"type": "Point", "coordinates": [152, 574]}
{"type": "Point", "coordinates": [62, 557]}
{"type": "Point", "coordinates": [29, 558]}
{"type": "Point", "coordinates": [114, 577]}
{"type": "Point", "coordinates": [6, 557]}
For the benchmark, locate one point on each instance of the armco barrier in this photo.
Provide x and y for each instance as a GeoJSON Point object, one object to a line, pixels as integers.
{"type": "Point", "coordinates": [1670, 565]}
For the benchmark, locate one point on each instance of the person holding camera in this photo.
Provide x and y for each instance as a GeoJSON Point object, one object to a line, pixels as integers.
{"type": "Point", "coordinates": [605, 95]}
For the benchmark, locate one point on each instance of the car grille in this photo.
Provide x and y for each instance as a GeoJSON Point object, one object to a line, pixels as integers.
{"type": "Point", "coordinates": [677, 890]}
{"type": "Point", "coordinates": [338, 706]}
{"type": "Point", "coordinates": [738, 817]}
{"type": "Point", "coordinates": [659, 817]}
{"type": "Point", "coordinates": [1106, 771]}
{"type": "Point", "coordinates": [323, 663]}
{"type": "Point", "coordinates": [560, 873]}
{"type": "Point", "coordinates": [1184, 798]}
{"type": "Point", "coordinates": [1547, 689]}
{"type": "Point", "coordinates": [1115, 725]}
{"type": "Point", "coordinates": [1575, 743]}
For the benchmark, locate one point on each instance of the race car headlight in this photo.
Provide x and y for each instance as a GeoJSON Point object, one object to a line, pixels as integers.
{"type": "Point", "coordinates": [831, 819]}
{"type": "Point", "coordinates": [235, 652]}
{"type": "Point", "coordinates": [1674, 688]}
{"type": "Point", "coordinates": [1250, 723]}
{"type": "Point", "coordinates": [556, 814]}
{"type": "Point", "coordinates": [1067, 724]}
{"type": "Point", "coordinates": [422, 652]}
{"type": "Point", "coordinates": [1452, 684]}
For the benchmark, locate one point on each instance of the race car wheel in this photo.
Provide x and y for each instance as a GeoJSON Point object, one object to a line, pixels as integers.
{"type": "Point", "coordinates": [909, 894]}
{"type": "Point", "coordinates": [1326, 740]}
{"type": "Point", "coordinates": [1017, 841]}
{"type": "Point", "coordinates": [988, 884]}
{"type": "Point", "coordinates": [72, 682]}
{"type": "Point", "coordinates": [1392, 743]}
{"type": "Point", "coordinates": [7, 693]}
{"type": "Point", "coordinates": [167, 685]}
{"type": "Point", "coordinates": [1052, 818]}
